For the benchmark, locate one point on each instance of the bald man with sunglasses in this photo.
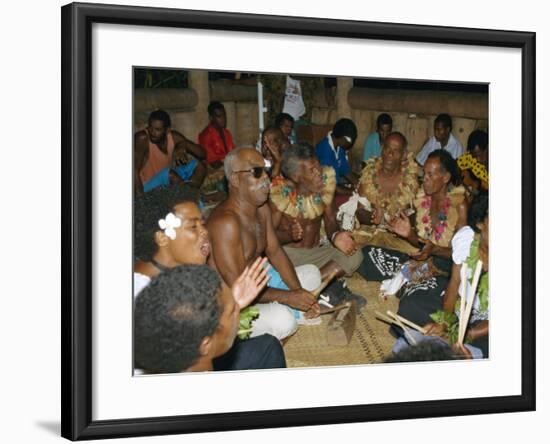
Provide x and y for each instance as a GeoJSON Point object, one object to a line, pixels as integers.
{"type": "Point", "coordinates": [241, 229]}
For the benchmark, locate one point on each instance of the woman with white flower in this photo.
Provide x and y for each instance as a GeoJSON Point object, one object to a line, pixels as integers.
{"type": "Point", "coordinates": [169, 230]}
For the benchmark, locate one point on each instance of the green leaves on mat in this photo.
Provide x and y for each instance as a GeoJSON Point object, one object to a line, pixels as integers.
{"type": "Point", "coordinates": [248, 314]}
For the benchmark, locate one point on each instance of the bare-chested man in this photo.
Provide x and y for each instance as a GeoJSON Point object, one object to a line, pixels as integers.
{"type": "Point", "coordinates": [299, 202]}
{"type": "Point", "coordinates": [241, 229]}
{"type": "Point", "coordinates": [389, 182]}
{"type": "Point", "coordinates": [162, 155]}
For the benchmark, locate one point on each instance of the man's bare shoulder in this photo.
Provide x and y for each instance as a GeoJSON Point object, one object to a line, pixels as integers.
{"type": "Point", "coordinates": [178, 137]}
{"type": "Point", "coordinates": [223, 215]}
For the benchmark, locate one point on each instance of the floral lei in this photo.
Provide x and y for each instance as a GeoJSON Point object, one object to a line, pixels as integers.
{"type": "Point", "coordinates": [284, 196]}
{"type": "Point", "coordinates": [397, 200]}
{"type": "Point", "coordinates": [443, 232]}
{"type": "Point", "coordinates": [441, 225]}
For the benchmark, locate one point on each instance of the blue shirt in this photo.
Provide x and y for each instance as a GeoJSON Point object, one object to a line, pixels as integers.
{"type": "Point", "coordinates": [372, 147]}
{"type": "Point", "coordinates": [334, 157]}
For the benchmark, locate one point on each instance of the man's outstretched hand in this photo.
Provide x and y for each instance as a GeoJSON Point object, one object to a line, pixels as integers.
{"type": "Point", "coordinates": [251, 281]}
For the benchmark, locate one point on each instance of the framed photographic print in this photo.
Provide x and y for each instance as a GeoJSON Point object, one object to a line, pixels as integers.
{"type": "Point", "coordinates": [124, 69]}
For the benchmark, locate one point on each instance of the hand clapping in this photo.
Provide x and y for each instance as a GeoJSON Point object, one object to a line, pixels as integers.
{"type": "Point", "coordinates": [251, 281]}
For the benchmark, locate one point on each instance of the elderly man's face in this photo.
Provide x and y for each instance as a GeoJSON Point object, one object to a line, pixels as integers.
{"type": "Point", "coordinates": [310, 175]}
{"type": "Point", "coordinates": [249, 166]}
{"type": "Point", "coordinates": [393, 152]}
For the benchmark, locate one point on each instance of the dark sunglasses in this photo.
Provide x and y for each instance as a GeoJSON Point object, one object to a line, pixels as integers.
{"type": "Point", "coordinates": [256, 171]}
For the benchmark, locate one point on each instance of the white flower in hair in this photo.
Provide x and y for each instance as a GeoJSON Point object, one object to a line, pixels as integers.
{"type": "Point", "coordinates": [169, 224]}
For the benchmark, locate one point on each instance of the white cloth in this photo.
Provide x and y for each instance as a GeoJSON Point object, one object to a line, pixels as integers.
{"type": "Point", "coordinates": [389, 287]}
{"type": "Point", "coordinates": [346, 212]}
{"type": "Point", "coordinates": [279, 320]}
{"type": "Point", "coordinates": [275, 319]}
{"type": "Point", "coordinates": [454, 147]}
{"type": "Point", "coordinates": [309, 276]}
{"type": "Point", "coordinates": [294, 104]}
{"type": "Point", "coordinates": [461, 243]}
{"type": "Point", "coordinates": [140, 282]}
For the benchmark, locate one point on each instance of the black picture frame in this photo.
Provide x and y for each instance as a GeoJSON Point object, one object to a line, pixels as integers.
{"type": "Point", "coordinates": [77, 192]}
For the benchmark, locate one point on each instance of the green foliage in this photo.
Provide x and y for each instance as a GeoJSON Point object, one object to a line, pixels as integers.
{"type": "Point", "coordinates": [483, 292]}
{"type": "Point", "coordinates": [451, 322]}
{"type": "Point", "coordinates": [471, 261]}
{"type": "Point", "coordinates": [483, 285]}
{"type": "Point", "coordinates": [248, 314]}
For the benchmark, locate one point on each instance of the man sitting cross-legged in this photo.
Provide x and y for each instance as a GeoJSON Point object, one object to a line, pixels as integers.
{"type": "Point", "coordinates": [162, 156]}
{"type": "Point", "coordinates": [241, 229]}
{"type": "Point", "coordinates": [299, 202]}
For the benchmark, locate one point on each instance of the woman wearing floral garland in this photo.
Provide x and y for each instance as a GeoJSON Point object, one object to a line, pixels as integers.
{"type": "Point", "coordinates": [389, 182]}
{"type": "Point", "coordinates": [440, 211]}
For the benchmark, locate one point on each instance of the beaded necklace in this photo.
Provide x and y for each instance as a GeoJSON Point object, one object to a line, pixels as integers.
{"type": "Point", "coordinates": [441, 225]}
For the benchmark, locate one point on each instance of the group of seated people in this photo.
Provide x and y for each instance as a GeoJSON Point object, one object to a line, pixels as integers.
{"type": "Point", "coordinates": [164, 156]}
{"type": "Point", "coordinates": [275, 238]}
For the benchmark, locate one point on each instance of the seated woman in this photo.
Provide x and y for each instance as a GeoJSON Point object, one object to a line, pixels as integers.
{"type": "Point", "coordinates": [440, 211]}
{"type": "Point", "coordinates": [474, 164]}
{"type": "Point", "coordinates": [389, 182]}
{"type": "Point", "coordinates": [468, 249]}
{"type": "Point", "coordinates": [169, 231]}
